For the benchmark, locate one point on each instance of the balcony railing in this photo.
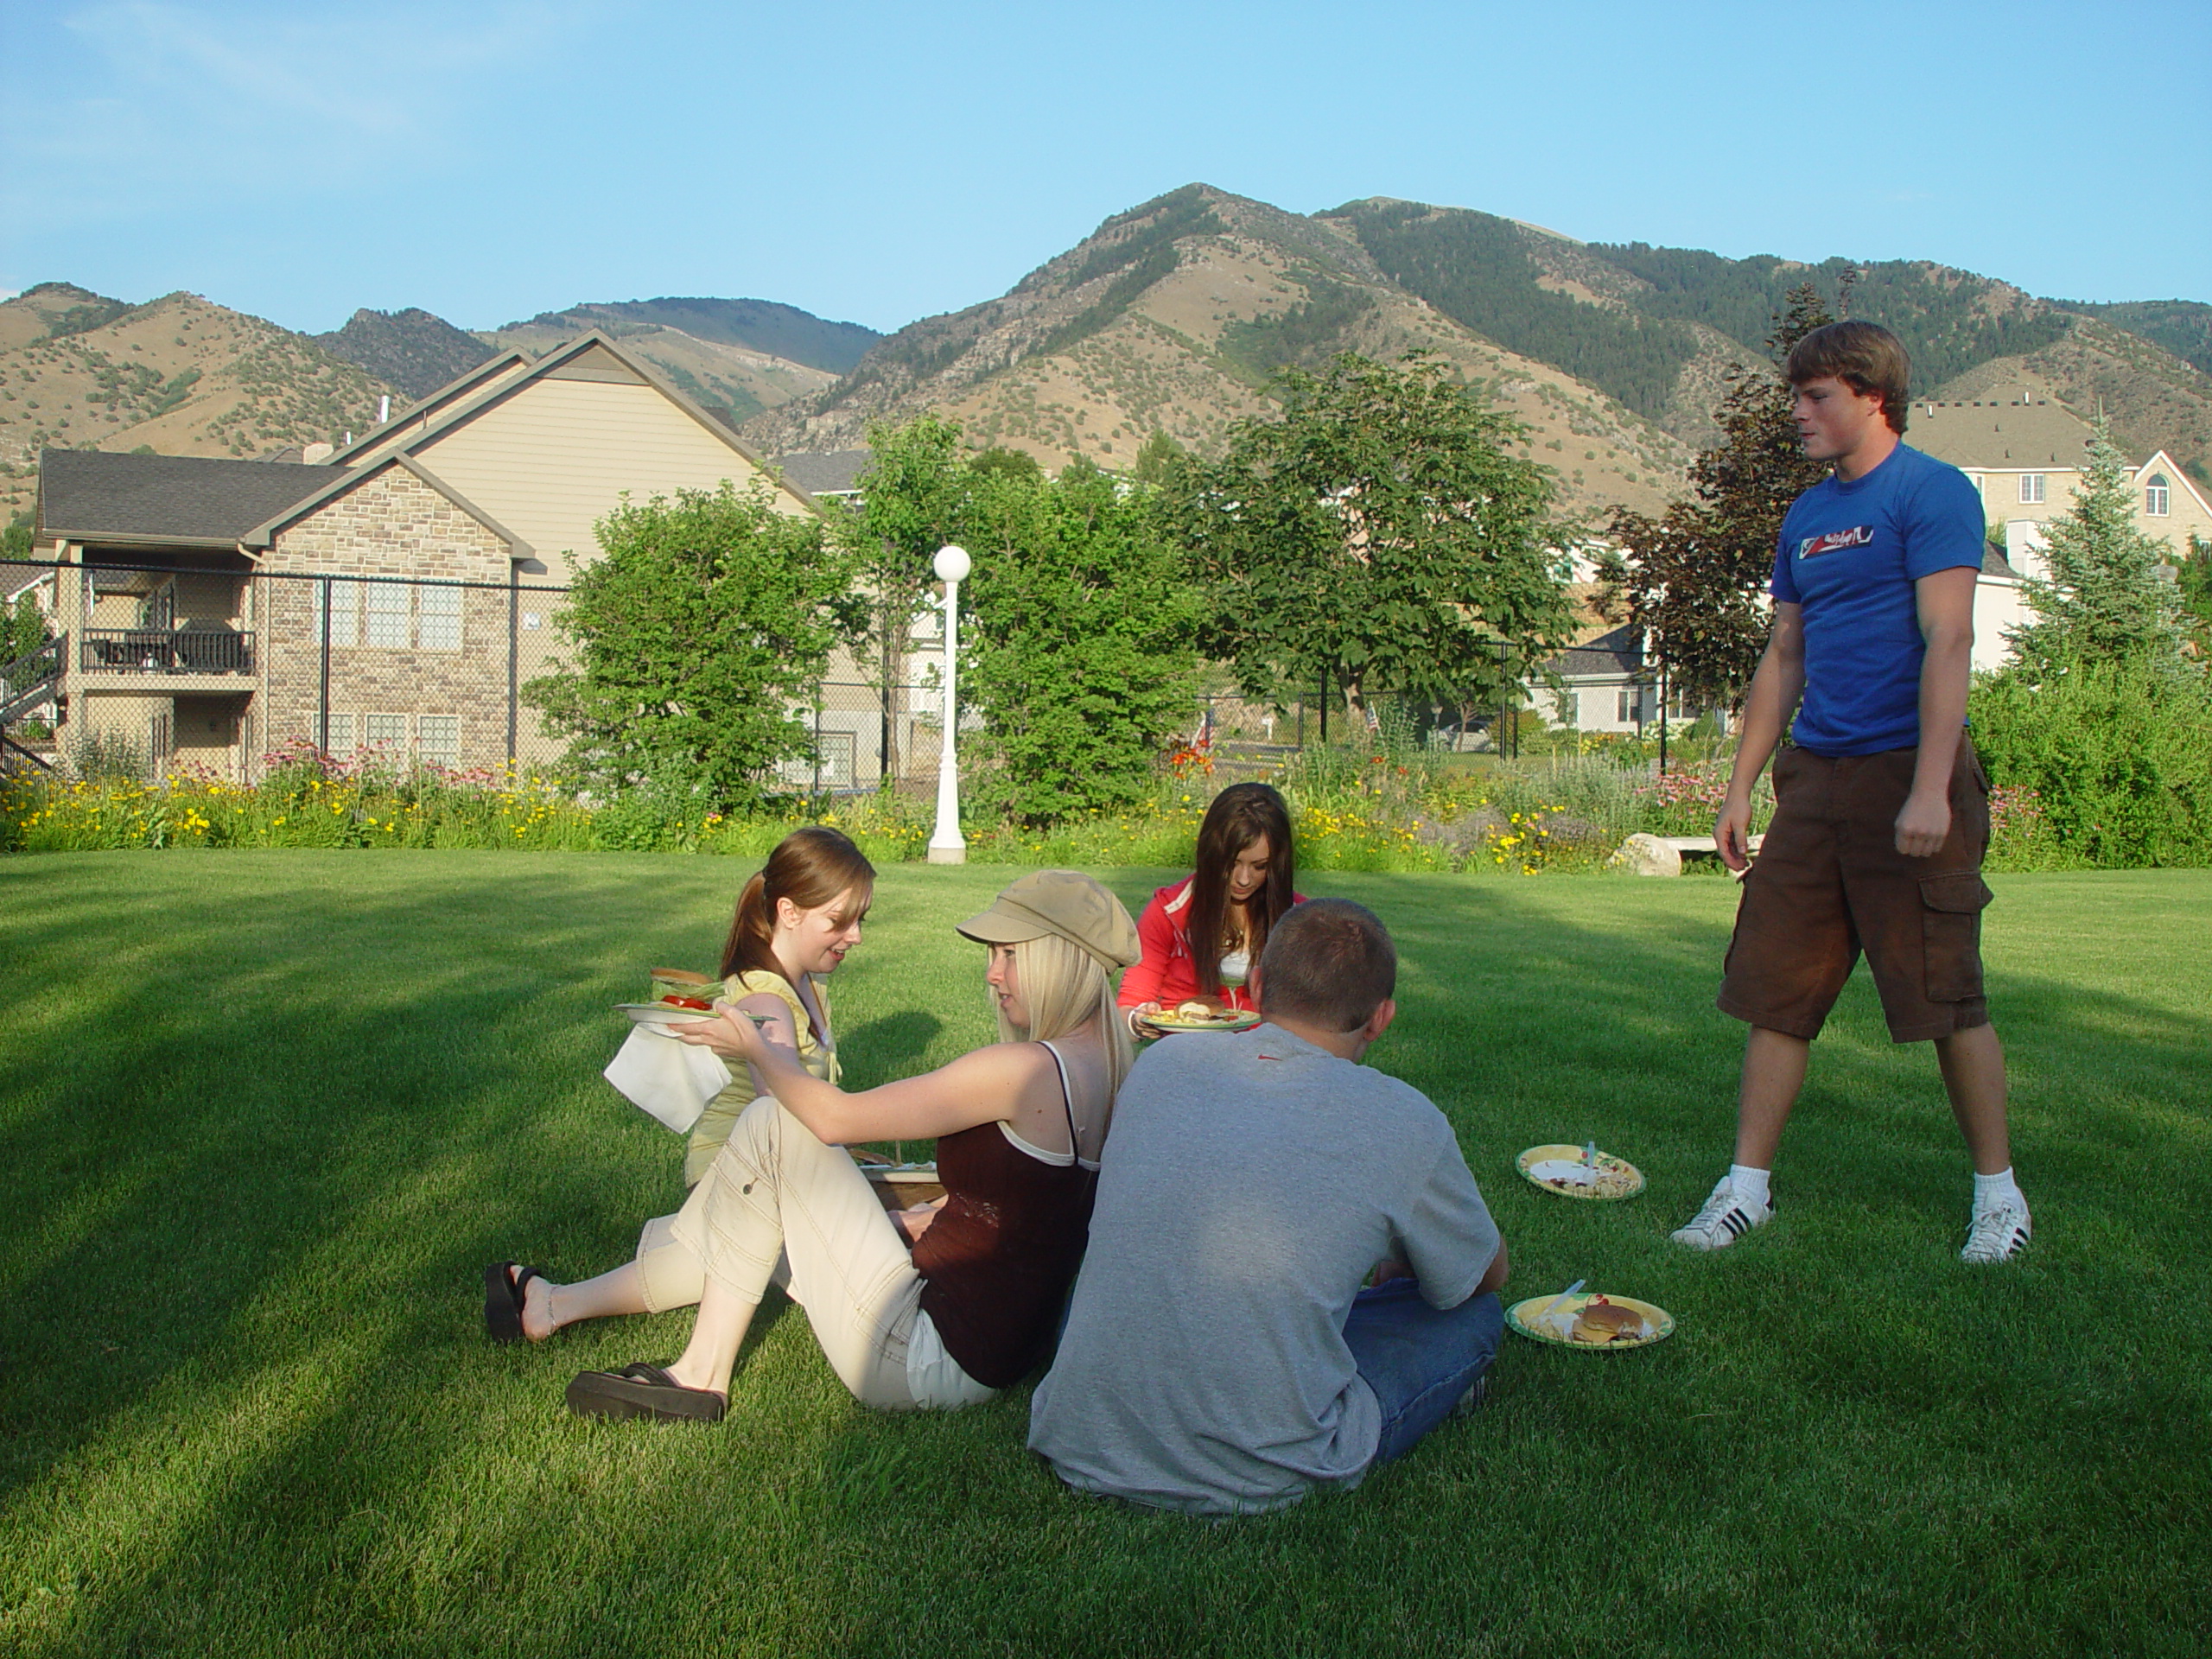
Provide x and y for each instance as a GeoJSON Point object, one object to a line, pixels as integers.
{"type": "Point", "coordinates": [164, 651]}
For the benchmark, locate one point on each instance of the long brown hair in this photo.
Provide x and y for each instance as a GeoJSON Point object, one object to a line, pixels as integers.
{"type": "Point", "coordinates": [810, 866]}
{"type": "Point", "coordinates": [1240, 815]}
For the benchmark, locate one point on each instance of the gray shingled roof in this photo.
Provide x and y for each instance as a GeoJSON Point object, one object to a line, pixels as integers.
{"type": "Point", "coordinates": [1993, 434]}
{"type": "Point", "coordinates": [87, 494]}
{"type": "Point", "coordinates": [1617, 652]}
{"type": "Point", "coordinates": [833, 471]}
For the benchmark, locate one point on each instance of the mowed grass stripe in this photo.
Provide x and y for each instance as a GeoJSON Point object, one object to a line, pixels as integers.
{"type": "Point", "coordinates": [264, 1116]}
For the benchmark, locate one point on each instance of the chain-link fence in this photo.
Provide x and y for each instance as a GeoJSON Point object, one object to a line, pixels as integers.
{"type": "Point", "coordinates": [229, 671]}
{"type": "Point", "coordinates": [148, 668]}
{"type": "Point", "coordinates": [152, 667]}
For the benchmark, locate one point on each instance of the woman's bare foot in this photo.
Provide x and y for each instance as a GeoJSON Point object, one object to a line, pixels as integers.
{"type": "Point", "coordinates": [537, 1320]}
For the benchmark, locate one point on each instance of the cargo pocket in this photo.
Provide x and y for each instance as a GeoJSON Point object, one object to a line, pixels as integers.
{"type": "Point", "coordinates": [1951, 922]}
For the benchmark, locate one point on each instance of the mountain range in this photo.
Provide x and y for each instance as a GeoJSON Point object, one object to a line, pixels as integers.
{"type": "Point", "coordinates": [1169, 317]}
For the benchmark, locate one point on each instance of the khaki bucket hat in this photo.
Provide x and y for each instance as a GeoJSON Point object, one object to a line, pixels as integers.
{"type": "Point", "coordinates": [1065, 904]}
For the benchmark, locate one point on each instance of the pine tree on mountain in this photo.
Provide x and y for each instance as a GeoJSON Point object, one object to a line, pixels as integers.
{"type": "Point", "coordinates": [2104, 600]}
{"type": "Point", "coordinates": [1694, 580]}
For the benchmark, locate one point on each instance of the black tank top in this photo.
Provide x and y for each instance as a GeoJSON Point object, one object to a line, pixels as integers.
{"type": "Point", "coordinates": [999, 1259]}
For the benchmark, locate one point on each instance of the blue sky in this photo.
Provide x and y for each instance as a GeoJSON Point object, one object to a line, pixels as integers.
{"type": "Point", "coordinates": [881, 162]}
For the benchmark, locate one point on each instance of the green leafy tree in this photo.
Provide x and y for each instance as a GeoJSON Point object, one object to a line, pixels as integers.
{"type": "Point", "coordinates": [917, 493]}
{"type": "Point", "coordinates": [1012, 463]}
{"type": "Point", "coordinates": [1694, 581]}
{"type": "Point", "coordinates": [2195, 587]}
{"type": "Point", "coordinates": [708, 617]}
{"type": "Point", "coordinates": [2105, 598]}
{"type": "Point", "coordinates": [1082, 655]}
{"type": "Point", "coordinates": [22, 628]}
{"type": "Point", "coordinates": [1379, 531]}
{"type": "Point", "coordinates": [1157, 457]}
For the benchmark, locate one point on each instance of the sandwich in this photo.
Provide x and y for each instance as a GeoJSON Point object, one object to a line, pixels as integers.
{"type": "Point", "coordinates": [1601, 1321]}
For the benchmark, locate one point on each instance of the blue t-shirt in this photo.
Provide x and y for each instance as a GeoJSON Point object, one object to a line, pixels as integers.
{"type": "Point", "coordinates": [1849, 555]}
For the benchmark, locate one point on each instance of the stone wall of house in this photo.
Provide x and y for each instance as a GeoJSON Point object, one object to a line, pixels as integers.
{"type": "Point", "coordinates": [417, 666]}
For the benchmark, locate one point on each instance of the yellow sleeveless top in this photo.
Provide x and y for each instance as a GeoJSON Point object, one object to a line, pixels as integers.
{"type": "Point", "coordinates": [818, 1053]}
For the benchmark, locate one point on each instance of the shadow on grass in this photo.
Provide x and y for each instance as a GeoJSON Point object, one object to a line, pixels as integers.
{"type": "Point", "coordinates": [263, 1135]}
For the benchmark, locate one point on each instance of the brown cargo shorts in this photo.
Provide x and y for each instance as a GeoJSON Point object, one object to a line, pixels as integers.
{"type": "Point", "coordinates": [1829, 883]}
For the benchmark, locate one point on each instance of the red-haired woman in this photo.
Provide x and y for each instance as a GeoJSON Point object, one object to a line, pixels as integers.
{"type": "Point", "coordinates": [1202, 935]}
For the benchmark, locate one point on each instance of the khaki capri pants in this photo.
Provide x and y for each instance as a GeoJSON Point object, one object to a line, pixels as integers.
{"type": "Point", "coordinates": [778, 1206]}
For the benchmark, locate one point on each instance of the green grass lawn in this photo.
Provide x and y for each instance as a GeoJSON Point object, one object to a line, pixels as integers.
{"type": "Point", "coordinates": [263, 1117]}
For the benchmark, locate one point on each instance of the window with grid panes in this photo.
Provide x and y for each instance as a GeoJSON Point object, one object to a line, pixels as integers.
{"type": "Point", "coordinates": [2031, 488]}
{"type": "Point", "coordinates": [437, 618]}
{"type": "Point", "coordinates": [345, 612]}
{"type": "Point", "coordinates": [388, 615]}
{"type": "Point", "coordinates": [437, 737]}
{"type": "Point", "coordinates": [2158, 496]}
{"type": "Point", "coordinates": [340, 738]}
{"type": "Point", "coordinates": [387, 732]}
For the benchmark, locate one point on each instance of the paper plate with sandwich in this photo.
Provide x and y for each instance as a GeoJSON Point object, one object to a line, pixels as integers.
{"type": "Point", "coordinates": [1596, 1320]}
{"type": "Point", "coordinates": [1200, 1014]}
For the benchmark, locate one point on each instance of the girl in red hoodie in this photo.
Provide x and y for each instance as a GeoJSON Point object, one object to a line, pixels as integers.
{"type": "Point", "coordinates": [1202, 935]}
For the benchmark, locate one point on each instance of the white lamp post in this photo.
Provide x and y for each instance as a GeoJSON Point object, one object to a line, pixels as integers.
{"type": "Point", "coordinates": [946, 844]}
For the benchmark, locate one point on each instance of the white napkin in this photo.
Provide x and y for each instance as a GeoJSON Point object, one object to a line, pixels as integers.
{"type": "Point", "coordinates": [1571, 1173]}
{"type": "Point", "coordinates": [667, 1080]}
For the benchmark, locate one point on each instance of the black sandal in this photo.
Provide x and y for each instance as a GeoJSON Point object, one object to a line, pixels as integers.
{"type": "Point", "coordinates": [643, 1391]}
{"type": "Point", "coordinates": [503, 1299]}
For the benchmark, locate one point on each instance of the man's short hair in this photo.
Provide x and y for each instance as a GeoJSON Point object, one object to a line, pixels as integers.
{"type": "Point", "coordinates": [1329, 963]}
{"type": "Point", "coordinates": [1865, 356]}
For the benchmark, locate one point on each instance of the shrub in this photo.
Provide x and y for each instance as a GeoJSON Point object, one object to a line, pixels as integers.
{"type": "Point", "coordinates": [2118, 756]}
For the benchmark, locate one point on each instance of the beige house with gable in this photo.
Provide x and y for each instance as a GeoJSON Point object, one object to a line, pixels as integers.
{"type": "Point", "coordinates": [2028, 456]}
{"type": "Point", "coordinates": [381, 594]}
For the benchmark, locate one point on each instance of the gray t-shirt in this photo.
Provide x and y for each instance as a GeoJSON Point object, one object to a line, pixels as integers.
{"type": "Point", "coordinates": [1248, 1186]}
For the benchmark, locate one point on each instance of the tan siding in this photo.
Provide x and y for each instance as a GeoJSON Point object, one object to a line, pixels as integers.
{"type": "Point", "coordinates": [550, 460]}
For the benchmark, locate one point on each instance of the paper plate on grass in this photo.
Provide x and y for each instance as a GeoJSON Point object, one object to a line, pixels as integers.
{"type": "Point", "coordinates": [1560, 1169]}
{"type": "Point", "coordinates": [1240, 1019]}
{"type": "Point", "coordinates": [1540, 1321]}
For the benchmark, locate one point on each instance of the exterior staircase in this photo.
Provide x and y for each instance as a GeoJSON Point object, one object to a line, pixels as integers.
{"type": "Point", "coordinates": [32, 681]}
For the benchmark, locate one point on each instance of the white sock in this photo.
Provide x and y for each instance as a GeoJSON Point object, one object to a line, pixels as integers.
{"type": "Point", "coordinates": [1748, 1184]}
{"type": "Point", "coordinates": [1995, 1191]}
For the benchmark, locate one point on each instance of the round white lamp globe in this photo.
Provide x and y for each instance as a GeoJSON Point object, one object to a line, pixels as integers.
{"type": "Point", "coordinates": [953, 564]}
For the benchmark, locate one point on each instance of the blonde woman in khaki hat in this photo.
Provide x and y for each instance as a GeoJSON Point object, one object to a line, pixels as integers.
{"type": "Point", "coordinates": [946, 1311]}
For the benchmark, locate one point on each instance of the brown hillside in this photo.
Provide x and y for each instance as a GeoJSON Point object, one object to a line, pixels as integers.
{"type": "Point", "coordinates": [1171, 318]}
{"type": "Point", "coordinates": [179, 375]}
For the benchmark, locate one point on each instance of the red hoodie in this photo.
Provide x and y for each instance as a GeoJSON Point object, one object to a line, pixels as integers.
{"type": "Point", "coordinates": [1166, 974]}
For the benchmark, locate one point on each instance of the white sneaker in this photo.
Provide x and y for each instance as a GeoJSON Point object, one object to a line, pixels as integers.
{"type": "Point", "coordinates": [1997, 1234]}
{"type": "Point", "coordinates": [1725, 1219]}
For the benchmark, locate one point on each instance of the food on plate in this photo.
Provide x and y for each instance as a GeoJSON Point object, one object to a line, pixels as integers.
{"type": "Point", "coordinates": [1601, 1321]}
{"type": "Point", "coordinates": [1567, 1170]}
{"type": "Point", "coordinates": [698, 1003]}
{"type": "Point", "coordinates": [1204, 1011]}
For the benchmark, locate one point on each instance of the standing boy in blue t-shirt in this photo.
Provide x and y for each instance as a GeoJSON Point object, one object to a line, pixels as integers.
{"type": "Point", "coordinates": [1882, 809]}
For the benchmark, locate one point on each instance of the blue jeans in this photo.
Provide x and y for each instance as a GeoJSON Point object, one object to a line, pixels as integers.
{"type": "Point", "coordinates": [1418, 1361]}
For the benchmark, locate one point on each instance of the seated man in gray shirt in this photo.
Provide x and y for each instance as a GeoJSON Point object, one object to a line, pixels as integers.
{"type": "Point", "coordinates": [1220, 1356]}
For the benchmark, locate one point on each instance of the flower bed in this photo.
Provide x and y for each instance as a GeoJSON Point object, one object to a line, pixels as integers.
{"type": "Point", "coordinates": [1353, 810]}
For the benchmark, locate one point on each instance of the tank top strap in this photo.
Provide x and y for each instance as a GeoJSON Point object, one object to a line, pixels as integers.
{"type": "Point", "coordinates": [1067, 1100]}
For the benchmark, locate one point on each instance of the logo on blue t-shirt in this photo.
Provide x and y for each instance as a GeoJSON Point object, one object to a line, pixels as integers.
{"type": "Point", "coordinates": [1857, 535]}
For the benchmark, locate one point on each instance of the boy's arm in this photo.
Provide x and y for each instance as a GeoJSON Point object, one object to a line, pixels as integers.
{"type": "Point", "coordinates": [1772, 700]}
{"type": "Point", "coordinates": [1945, 603]}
